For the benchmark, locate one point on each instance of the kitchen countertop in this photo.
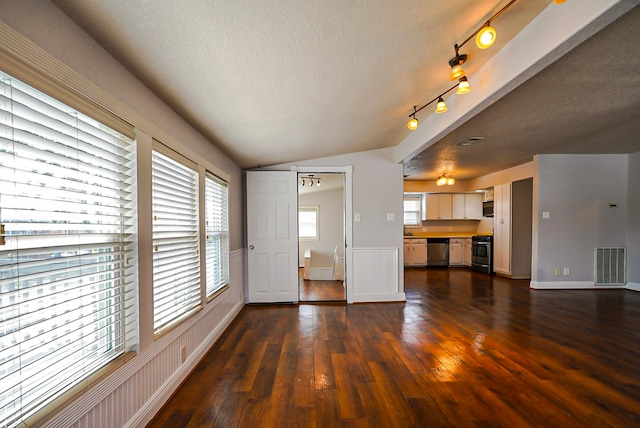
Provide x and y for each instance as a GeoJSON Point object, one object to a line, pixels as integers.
{"type": "Point", "coordinates": [423, 235]}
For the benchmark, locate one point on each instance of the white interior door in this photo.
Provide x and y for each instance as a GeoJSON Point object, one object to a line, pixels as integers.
{"type": "Point", "coordinates": [272, 236]}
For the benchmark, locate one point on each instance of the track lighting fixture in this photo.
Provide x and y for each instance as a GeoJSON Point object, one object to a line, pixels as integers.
{"type": "Point", "coordinates": [463, 86]}
{"type": "Point", "coordinates": [309, 179]}
{"type": "Point", "coordinates": [441, 107]}
{"type": "Point", "coordinates": [412, 124]}
{"type": "Point", "coordinates": [485, 37]}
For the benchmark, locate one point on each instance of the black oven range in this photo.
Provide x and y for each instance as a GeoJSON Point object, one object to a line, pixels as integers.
{"type": "Point", "coordinates": [482, 253]}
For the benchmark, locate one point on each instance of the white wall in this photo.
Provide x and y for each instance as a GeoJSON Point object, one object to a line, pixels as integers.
{"type": "Point", "coordinates": [377, 191]}
{"type": "Point", "coordinates": [131, 395]}
{"type": "Point", "coordinates": [576, 191]}
{"type": "Point", "coordinates": [633, 217]}
{"type": "Point", "coordinates": [330, 205]}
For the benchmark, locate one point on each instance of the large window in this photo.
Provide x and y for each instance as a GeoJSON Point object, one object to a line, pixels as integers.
{"type": "Point", "coordinates": [176, 263]}
{"type": "Point", "coordinates": [217, 234]}
{"type": "Point", "coordinates": [67, 278]}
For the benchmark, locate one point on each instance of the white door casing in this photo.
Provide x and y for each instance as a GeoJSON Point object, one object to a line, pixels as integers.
{"type": "Point", "coordinates": [272, 236]}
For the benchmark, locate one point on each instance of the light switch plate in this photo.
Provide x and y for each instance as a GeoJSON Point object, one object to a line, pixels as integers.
{"type": "Point", "coordinates": [391, 217]}
{"type": "Point", "coordinates": [356, 217]}
{"type": "Point", "coordinates": [546, 214]}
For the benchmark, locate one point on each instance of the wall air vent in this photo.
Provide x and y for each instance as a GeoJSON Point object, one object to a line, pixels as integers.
{"type": "Point", "coordinates": [609, 266]}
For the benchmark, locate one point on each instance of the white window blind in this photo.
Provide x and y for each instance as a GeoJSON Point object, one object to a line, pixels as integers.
{"type": "Point", "coordinates": [176, 262]}
{"type": "Point", "coordinates": [412, 210]}
{"type": "Point", "coordinates": [67, 285]}
{"type": "Point", "coordinates": [217, 234]}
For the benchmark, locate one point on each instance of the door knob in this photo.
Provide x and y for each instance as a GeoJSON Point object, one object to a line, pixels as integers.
{"type": "Point", "coordinates": [251, 247]}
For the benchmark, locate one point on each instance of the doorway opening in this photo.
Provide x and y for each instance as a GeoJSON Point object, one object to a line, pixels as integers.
{"type": "Point", "coordinates": [321, 237]}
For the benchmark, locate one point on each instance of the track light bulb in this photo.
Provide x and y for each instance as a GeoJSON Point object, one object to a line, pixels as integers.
{"type": "Point", "coordinates": [463, 86]}
{"type": "Point", "coordinates": [441, 107]}
{"type": "Point", "coordinates": [451, 181]}
{"type": "Point", "coordinates": [486, 36]}
{"type": "Point", "coordinates": [559, 1]}
{"type": "Point", "coordinates": [456, 72]}
{"type": "Point", "coordinates": [412, 124]}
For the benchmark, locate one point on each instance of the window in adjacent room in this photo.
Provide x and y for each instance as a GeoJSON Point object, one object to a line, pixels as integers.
{"type": "Point", "coordinates": [412, 210]}
{"type": "Point", "coordinates": [308, 228]}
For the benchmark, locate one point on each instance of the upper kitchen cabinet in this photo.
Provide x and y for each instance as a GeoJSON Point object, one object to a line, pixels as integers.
{"type": "Point", "coordinates": [438, 206]}
{"type": "Point", "coordinates": [467, 206]}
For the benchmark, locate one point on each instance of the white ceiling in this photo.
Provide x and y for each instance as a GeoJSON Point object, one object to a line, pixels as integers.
{"type": "Point", "coordinates": [275, 82]}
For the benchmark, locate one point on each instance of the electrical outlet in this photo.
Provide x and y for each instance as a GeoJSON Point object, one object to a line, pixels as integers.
{"type": "Point", "coordinates": [566, 271]}
{"type": "Point", "coordinates": [558, 272]}
{"type": "Point", "coordinates": [183, 354]}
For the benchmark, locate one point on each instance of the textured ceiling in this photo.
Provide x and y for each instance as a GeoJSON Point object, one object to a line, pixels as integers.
{"type": "Point", "coordinates": [274, 82]}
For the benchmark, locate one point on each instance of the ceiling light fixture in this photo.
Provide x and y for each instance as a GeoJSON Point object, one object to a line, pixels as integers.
{"type": "Point", "coordinates": [485, 37]}
{"type": "Point", "coordinates": [445, 180]}
{"type": "Point", "coordinates": [463, 86]}
{"type": "Point", "coordinates": [310, 178]}
{"type": "Point", "coordinates": [412, 124]}
{"type": "Point", "coordinates": [456, 65]}
{"type": "Point", "coordinates": [559, 1]}
{"type": "Point", "coordinates": [441, 107]}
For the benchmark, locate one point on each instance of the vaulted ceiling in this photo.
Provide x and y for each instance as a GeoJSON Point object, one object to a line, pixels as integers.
{"type": "Point", "coordinates": [275, 82]}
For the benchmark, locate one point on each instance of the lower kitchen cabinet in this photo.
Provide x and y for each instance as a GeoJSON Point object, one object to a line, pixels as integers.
{"type": "Point", "coordinates": [456, 252]}
{"type": "Point", "coordinates": [466, 252]}
{"type": "Point", "coordinates": [415, 252]}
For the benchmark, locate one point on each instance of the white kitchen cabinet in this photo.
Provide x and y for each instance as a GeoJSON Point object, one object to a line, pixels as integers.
{"type": "Point", "coordinates": [456, 253]}
{"type": "Point", "coordinates": [415, 252]}
{"type": "Point", "coordinates": [466, 252]}
{"type": "Point", "coordinates": [467, 206]}
{"type": "Point", "coordinates": [512, 228]}
{"type": "Point", "coordinates": [438, 206]}
{"type": "Point", "coordinates": [473, 206]}
{"type": "Point", "coordinates": [502, 229]}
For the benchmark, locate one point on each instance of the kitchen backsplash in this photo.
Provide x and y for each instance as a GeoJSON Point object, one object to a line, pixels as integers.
{"type": "Point", "coordinates": [473, 226]}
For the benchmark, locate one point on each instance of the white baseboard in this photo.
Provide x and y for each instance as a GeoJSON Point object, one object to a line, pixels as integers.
{"type": "Point", "coordinates": [633, 286]}
{"type": "Point", "coordinates": [570, 285]}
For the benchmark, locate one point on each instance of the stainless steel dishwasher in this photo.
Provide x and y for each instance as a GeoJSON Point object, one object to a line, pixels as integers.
{"type": "Point", "coordinates": [437, 251]}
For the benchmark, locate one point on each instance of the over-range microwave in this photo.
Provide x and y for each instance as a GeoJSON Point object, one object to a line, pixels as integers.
{"type": "Point", "coordinates": [487, 209]}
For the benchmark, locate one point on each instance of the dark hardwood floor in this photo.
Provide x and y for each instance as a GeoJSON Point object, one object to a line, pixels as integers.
{"type": "Point", "coordinates": [320, 291]}
{"type": "Point", "coordinates": [465, 350]}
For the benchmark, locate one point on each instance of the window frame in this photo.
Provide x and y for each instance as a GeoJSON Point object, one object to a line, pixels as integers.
{"type": "Point", "coordinates": [222, 229]}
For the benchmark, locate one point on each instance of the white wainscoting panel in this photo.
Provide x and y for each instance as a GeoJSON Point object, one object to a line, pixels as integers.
{"type": "Point", "coordinates": [132, 395]}
{"type": "Point", "coordinates": [375, 275]}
